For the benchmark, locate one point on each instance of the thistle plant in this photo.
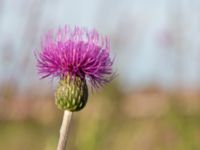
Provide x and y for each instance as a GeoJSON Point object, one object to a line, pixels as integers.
{"type": "Point", "coordinates": [77, 57]}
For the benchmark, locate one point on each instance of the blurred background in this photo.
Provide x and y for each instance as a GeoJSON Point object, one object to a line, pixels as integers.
{"type": "Point", "coordinates": [153, 103]}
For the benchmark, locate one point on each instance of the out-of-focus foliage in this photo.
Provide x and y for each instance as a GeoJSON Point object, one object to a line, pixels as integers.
{"type": "Point", "coordinates": [147, 119]}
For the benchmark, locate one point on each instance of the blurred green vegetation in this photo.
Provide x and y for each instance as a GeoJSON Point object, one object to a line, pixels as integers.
{"type": "Point", "coordinates": [27, 135]}
{"type": "Point", "coordinates": [114, 121]}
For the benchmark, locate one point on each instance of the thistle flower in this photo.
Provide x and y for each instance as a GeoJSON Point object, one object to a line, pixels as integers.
{"type": "Point", "coordinates": [77, 57]}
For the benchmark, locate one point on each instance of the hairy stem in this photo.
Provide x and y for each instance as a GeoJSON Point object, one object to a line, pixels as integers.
{"type": "Point", "coordinates": [64, 130]}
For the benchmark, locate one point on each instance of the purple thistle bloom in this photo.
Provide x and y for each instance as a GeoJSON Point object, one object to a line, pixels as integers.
{"type": "Point", "coordinates": [75, 52]}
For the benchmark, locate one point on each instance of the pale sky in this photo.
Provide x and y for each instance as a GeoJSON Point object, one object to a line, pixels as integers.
{"type": "Point", "coordinates": [138, 24]}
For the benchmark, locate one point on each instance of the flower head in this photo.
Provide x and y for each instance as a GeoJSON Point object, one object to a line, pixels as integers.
{"type": "Point", "coordinates": [74, 55]}
{"type": "Point", "coordinates": [75, 52]}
